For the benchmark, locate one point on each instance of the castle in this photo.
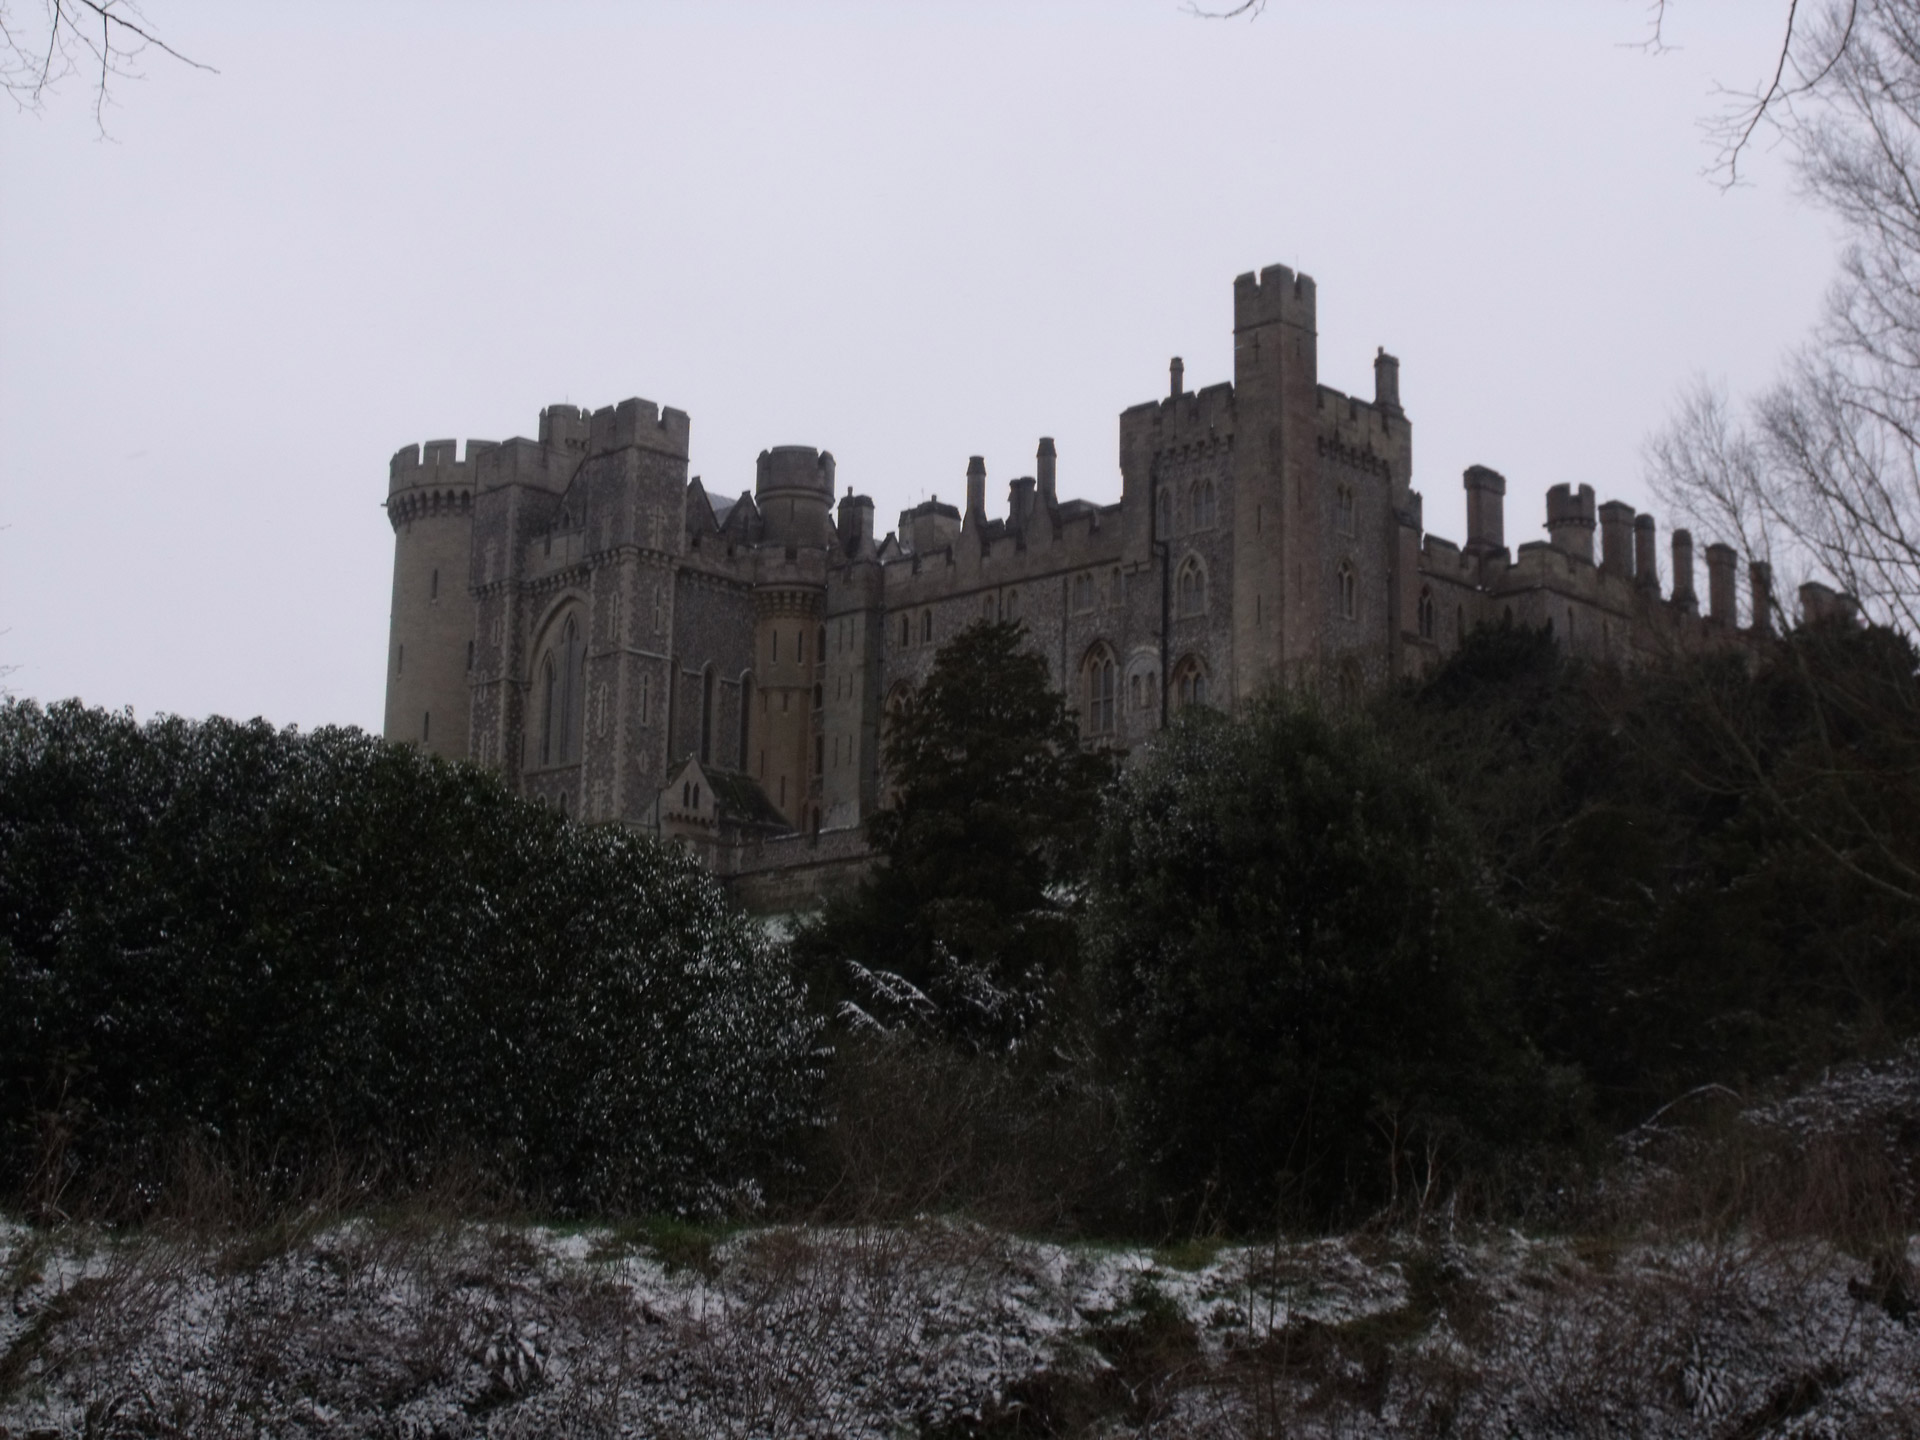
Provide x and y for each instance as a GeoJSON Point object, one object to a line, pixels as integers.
{"type": "Point", "coordinates": [626, 646]}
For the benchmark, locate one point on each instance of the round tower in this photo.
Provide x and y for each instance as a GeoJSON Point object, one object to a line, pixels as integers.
{"type": "Point", "coordinates": [430, 641]}
{"type": "Point", "coordinates": [794, 490]}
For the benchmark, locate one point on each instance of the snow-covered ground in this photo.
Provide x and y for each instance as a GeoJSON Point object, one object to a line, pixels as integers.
{"type": "Point", "coordinates": [941, 1329]}
{"type": "Point", "coordinates": [1637, 1327]}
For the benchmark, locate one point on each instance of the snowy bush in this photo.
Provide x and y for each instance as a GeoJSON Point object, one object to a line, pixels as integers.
{"type": "Point", "coordinates": [302, 946]}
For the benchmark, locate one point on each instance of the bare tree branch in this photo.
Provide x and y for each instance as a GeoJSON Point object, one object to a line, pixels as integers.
{"type": "Point", "coordinates": [31, 70]}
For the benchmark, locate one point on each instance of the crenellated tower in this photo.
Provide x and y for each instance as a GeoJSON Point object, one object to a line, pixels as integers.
{"type": "Point", "coordinates": [430, 630]}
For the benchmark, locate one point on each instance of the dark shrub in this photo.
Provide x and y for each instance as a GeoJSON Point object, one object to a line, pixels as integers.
{"type": "Point", "coordinates": [240, 937]}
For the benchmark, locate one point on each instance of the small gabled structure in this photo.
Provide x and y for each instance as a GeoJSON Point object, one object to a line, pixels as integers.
{"type": "Point", "coordinates": [716, 812]}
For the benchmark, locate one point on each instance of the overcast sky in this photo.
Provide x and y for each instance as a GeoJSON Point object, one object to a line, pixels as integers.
{"type": "Point", "coordinates": [906, 232]}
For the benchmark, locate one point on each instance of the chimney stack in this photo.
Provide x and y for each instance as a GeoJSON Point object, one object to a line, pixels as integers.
{"type": "Point", "coordinates": [1720, 601]}
{"type": "Point", "coordinates": [1760, 578]}
{"type": "Point", "coordinates": [1043, 468]}
{"type": "Point", "coordinates": [1646, 568]}
{"type": "Point", "coordinates": [1178, 371]}
{"type": "Point", "coordinates": [1683, 595]}
{"type": "Point", "coordinates": [1486, 514]}
{"type": "Point", "coordinates": [1020, 502]}
{"type": "Point", "coordinates": [1386, 382]}
{"type": "Point", "coordinates": [976, 510]}
{"type": "Point", "coordinates": [1616, 539]}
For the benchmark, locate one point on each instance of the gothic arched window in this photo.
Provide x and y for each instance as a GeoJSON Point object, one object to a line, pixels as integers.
{"type": "Point", "coordinates": [560, 695]}
{"type": "Point", "coordinates": [1347, 591]}
{"type": "Point", "coordinates": [1426, 613]}
{"type": "Point", "coordinates": [1163, 513]}
{"type": "Point", "coordinates": [1189, 682]}
{"type": "Point", "coordinates": [1192, 587]}
{"type": "Point", "coordinates": [1343, 509]}
{"type": "Point", "coordinates": [926, 627]}
{"type": "Point", "coordinates": [1100, 681]}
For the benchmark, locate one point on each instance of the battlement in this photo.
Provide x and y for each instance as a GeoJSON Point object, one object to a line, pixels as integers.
{"type": "Point", "coordinates": [1276, 296]}
{"type": "Point", "coordinates": [434, 463]}
{"type": "Point", "coordinates": [635, 422]}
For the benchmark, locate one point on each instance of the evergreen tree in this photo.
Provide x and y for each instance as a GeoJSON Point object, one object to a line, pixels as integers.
{"type": "Point", "coordinates": [966, 925]}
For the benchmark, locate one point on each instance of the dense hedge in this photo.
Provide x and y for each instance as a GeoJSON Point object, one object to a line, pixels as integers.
{"type": "Point", "coordinates": [309, 944]}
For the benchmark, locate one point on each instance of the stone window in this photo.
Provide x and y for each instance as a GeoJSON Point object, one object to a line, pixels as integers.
{"type": "Point", "coordinates": [906, 632]}
{"type": "Point", "coordinates": [469, 655]}
{"type": "Point", "coordinates": [646, 699]}
{"type": "Point", "coordinates": [820, 655]}
{"type": "Point", "coordinates": [1343, 509]}
{"type": "Point", "coordinates": [400, 660]}
{"type": "Point", "coordinates": [1426, 613]}
{"type": "Point", "coordinates": [706, 715]}
{"type": "Point", "coordinates": [1116, 589]}
{"type": "Point", "coordinates": [1203, 505]}
{"type": "Point", "coordinates": [1099, 678]}
{"type": "Point", "coordinates": [746, 711]}
{"type": "Point", "coordinates": [1346, 591]}
{"type": "Point", "coordinates": [1191, 587]}
{"type": "Point", "coordinates": [1189, 682]}
{"type": "Point", "coordinates": [560, 696]}
{"type": "Point", "coordinates": [926, 627]}
{"type": "Point", "coordinates": [986, 609]}
{"type": "Point", "coordinates": [1163, 513]}
{"type": "Point", "coordinates": [433, 587]}
{"type": "Point", "coordinates": [1082, 592]}
{"type": "Point", "coordinates": [426, 726]}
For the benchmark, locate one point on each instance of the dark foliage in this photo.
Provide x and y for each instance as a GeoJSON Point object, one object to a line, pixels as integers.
{"type": "Point", "coordinates": [1302, 984]}
{"type": "Point", "coordinates": [232, 936]}
{"type": "Point", "coordinates": [1708, 861]}
{"type": "Point", "coordinates": [973, 901]}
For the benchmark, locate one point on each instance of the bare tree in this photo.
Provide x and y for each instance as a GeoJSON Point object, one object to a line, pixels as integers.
{"type": "Point", "coordinates": [1821, 474]}
{"type": "Point", "coordinates": [58, 39]}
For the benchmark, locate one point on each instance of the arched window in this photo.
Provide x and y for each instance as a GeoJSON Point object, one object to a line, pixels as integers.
{"type": "Point", "coordinates": [1189, 682]}
{"type": "Point", "coordinates": [1100, 683]}
{"type": "Point", "coordinates": [1426, 613]}
{"type": "Point", "coordinates": [926, 627]}
{"type": "Point", "coordinates": [1343, 509]}
{"type": "Point", "coordinates": [819, 696]}
{"type": "Point", "coordinates": [706, 715]}
{"type": "Point", "coordinates": [1191, 587]}
{"type": "Point", "coordinates": [820, 655]}
{"type": "Point", "coordinates": [746, 715]}
{"type": "Point", "coordinates": [426, 726]}
{"type": "Point", "coordinates": [906, 631]}
{"type": "Point", "coordinates": [1346, 591]}
{"type": "Point", "coordinates": [1083, 592]}
{"type": "Point", "coordinates": [560, 695]}
{"type": "Point", "coordinates": [986, 609]}
{"type": "Point", "coordinates": [1163, 513]}
{"type": "Point", "coordinates": [1202, 505]}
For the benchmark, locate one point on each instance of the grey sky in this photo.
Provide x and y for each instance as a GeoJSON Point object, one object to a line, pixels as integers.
{"type": "Point", "coordinates": [906, 232]}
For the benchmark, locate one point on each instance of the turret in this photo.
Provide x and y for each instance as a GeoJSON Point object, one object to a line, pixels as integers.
{"type": "Point", "coordinates": [794, 490]}
{"type": "Point", "coordinates": [429, 647]}
{"type": "Point", "coordinates": [1570, 520]}
{"type": "Point", "coordinates": [1486, 510]}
